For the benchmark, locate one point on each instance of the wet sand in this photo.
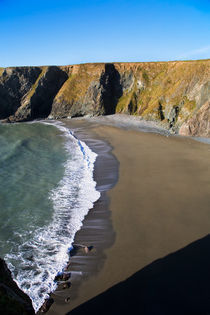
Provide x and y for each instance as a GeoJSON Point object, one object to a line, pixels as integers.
{"type": "Point", "coordinates": [160, 204]}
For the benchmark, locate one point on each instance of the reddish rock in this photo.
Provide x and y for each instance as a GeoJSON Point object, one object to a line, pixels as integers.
{"type": "Point", "coordinates": [199, 124]}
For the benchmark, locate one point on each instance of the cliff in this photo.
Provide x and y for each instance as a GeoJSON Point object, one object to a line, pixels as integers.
{"type": "Point", "coordinates": [176, 94]}
{"type": "Point", "coordinates": [12, 300]}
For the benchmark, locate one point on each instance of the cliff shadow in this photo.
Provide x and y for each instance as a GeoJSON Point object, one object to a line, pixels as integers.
{"type": "Point", "coordinates": [176, 284]}
{"type": "Point", "coordinates": [112, 89]}
{"type": "Point", "coordinates": [14, 84]}
{"type": "Point", "coordinates": [8, 103]}
{"type": "Point", "coordinates": [48, 87]}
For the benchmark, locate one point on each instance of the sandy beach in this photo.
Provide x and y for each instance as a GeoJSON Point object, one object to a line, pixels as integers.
{"type": "Point", "coordinates": [159, 205]}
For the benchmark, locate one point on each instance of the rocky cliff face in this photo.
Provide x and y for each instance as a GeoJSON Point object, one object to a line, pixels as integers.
{"type": "Point", "coordinates": [27, 93]}
{"type": "Point", "coordinates": [177, 94]}
{"type": "Point", "coordinates": [14, 84]}
{"type": "Point", "coordinates": [12, 300]}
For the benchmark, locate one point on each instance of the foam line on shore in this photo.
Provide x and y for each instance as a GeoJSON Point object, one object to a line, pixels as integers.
{"type": "Point", "coordinates": [74, 195]}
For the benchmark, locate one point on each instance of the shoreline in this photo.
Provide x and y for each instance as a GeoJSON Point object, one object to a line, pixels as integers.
{"type": "Point", "coordinates": [96, 231]}
{"type": "Point", "coordinates": [89, 273]}
{"type": "Point", "coordinates": [163, 181]}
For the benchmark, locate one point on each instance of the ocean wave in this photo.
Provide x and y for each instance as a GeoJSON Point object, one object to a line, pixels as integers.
{"type": "Point", "coordinates": [41, 258]}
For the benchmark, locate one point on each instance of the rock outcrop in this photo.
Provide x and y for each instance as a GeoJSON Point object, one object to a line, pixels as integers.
{"type": "Point", "coordinates": [176, 94]}
{"type": "Point", "coordinates": [14, 84]}
{"type": "Point", "coordinates": [199, 124]}
{"type": "Point", "coordinates": [12, 300]}
{"type": "Point", "coordinates": [37, 100]}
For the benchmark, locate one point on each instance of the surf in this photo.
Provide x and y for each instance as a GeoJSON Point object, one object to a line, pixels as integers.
{"type": "Point", "coordinates": [44, 253]}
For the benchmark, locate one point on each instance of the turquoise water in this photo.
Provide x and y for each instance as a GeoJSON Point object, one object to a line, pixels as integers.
{"type": "Point", "coordinates": [44, 196]}
{"type": "Point", "coordinates": [31, 165]}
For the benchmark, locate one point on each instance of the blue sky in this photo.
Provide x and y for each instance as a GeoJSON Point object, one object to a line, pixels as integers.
{"type": "Point", "coordinates": [60, 32]}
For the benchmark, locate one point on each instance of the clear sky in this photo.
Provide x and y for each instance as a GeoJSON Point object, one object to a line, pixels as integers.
{"type": "Point", "coordinates": [60, 32]}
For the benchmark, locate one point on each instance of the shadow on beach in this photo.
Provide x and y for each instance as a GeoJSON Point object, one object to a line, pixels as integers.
{"type": "Point", "coordinates": [176, 284]}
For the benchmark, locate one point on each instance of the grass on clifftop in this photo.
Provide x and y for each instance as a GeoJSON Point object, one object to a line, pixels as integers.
{"type": "Point", "coordinates": [33, 89]}
{"type": "Point", "coordinates": [169, 84]}
{"type": "Point", "coordinates": [1, 71]}
{"type": "Point", "coordinates": [79, 81]}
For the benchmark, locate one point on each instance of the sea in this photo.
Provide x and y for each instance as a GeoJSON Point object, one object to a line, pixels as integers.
{"type": "Point", "coordinates": [46, 189]}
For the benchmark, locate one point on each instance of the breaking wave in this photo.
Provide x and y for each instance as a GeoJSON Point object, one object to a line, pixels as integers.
{"type": "Point", "coordinates": [43, 256]}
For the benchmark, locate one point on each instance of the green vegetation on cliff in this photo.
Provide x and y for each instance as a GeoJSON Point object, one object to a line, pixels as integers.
{"type": "Point", "coordinates": [1, 71]}
{"type": "Point", "coordinates": [169, 92]}
{"type": "Point", "coordinates": [34, 86]}
{"type": "Point", "coordinates": [72, 98]}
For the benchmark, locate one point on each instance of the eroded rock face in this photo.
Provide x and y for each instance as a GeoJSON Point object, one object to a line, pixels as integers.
{"type": "Point", "coordinates": [90, 90]}
{"type": "Point", "coordinates": [37, 103]}
{"type": "Point", "coordinates": [171, 93]}
{"type": "Point", "coordinates": [12, 300]}
{"type": "Point", "coordinates": [112, 89]}
{"type": "Point", "coordinates": [14, 84]}
{"type": "Point", "coordinates": [199, 124]}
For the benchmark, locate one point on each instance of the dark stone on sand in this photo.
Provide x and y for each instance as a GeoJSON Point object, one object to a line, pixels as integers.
{"type": "Point", "coordinates": [77, 247]}
{"type": "Point", "coordinates": [63, 277]}
{"type": "Point", "coordinates": [66, 285]}
{"type": "Point", "coordinates": [66, 276]}
{"type": "Point", "coordinates": [46, 305]}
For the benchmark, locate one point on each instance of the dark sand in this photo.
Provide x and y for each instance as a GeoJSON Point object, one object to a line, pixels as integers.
{"type": "Point", "coordinates": [160, 204]}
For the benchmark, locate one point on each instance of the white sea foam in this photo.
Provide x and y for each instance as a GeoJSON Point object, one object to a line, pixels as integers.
{"type": "Point", "coordinates": [42, 257]}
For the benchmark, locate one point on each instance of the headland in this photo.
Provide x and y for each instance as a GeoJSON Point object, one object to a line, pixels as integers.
{"type": "Point", "coordinates": [175, 94]}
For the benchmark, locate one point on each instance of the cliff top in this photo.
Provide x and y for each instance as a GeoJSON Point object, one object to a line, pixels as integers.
{"type": "Point", "coordinates": [111, 62]}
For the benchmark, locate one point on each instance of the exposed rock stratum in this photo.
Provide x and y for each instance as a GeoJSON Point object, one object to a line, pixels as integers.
{"type": "Point", "coordinates": [176, 94]}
